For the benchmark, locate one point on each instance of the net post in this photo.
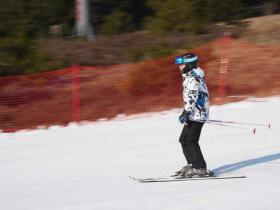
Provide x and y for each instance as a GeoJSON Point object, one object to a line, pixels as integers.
{"type": "Point", "coordinates": [75, 93]}
{"type": "Point", "coordinates": [224, 63]}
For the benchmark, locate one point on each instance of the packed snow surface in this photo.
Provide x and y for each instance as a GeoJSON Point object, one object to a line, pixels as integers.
{"type": "Point", "coordinates": [87, 166]}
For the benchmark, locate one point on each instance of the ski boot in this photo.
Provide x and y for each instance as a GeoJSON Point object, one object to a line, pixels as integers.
{"type": "Point", "coordinates": [182, 171]}
{"type": "Point", "coordinates": [201, 172]}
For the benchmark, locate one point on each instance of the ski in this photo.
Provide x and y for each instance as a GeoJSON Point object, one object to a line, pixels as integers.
{"type": "Point", "coordinates": [176, 179]}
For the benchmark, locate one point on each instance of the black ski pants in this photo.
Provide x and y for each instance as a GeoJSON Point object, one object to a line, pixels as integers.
{"type": "Point", "coordinates": [189, 141]}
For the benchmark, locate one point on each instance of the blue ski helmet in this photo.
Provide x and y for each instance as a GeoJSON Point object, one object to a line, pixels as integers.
{"type": "Point", "coordinates": [189, 59]}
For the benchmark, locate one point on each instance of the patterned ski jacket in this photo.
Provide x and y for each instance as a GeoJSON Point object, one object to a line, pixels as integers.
{"type": "Point", "coordinates": [195, 95]}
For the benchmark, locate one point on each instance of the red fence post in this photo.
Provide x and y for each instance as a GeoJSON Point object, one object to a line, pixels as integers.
{"type": "Point", "coordinates": [75, 93]}
{"type": "Point", "coordinates": [224, 61]}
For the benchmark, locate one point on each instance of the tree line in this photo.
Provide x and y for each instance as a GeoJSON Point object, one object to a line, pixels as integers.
{"type": "Point", "coordinates": [23, 23]}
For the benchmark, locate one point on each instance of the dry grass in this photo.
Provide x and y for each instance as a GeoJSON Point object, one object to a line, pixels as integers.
{"type": "Point", "coordinates": [265, 30]}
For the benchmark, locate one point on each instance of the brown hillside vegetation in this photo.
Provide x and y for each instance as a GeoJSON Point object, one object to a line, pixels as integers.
{"type": "Point", "coordinates": [154, 85]}
{"type": "Point", "coordinates": [264, 30]}
{"type": "Point", "coordinates": [144, 45]}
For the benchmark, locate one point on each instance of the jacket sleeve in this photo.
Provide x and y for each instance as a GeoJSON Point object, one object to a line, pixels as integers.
{"type": "Point", "coordinates": [190, 93]}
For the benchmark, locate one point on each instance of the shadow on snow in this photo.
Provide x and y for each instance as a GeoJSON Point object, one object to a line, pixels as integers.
{"type": "Point", "coordinates": [246, 163]}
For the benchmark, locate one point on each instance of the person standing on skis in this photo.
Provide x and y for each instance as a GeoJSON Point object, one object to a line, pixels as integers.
{"type": "Point", "coordinates": [194, 115]}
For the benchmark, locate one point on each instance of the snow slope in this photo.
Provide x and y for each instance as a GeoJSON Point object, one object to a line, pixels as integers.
{"type": "Point", "coordinates": [86, 167]}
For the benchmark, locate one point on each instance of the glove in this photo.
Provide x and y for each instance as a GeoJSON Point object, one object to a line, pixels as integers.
{"type": "Point", "coordinates": [184, 117]}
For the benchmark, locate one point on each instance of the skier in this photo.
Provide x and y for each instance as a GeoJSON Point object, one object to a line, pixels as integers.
{"type": "Point", "coordinates": [195, 113]}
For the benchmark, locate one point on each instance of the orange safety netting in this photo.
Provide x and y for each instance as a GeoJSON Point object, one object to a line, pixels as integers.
{"type": "Point", "coordinates": [79, 93]}
{"type": "Point", "coordinates": [87, 93]}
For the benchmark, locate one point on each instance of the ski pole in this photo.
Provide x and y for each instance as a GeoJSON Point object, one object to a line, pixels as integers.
{"type": "Point", "coordinates": [241, 123]}
{"type": "Point", "coordinates": [231, 126]}
{"type": "Point", "coordinates": [226, 125]}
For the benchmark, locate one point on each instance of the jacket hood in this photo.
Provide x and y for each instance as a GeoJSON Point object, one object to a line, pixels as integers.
{"type": "Point", "coordinates": [198, 72]}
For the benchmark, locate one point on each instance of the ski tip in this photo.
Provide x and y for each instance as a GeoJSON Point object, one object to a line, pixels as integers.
{"type": "Point", "coordinates": [133, 178]}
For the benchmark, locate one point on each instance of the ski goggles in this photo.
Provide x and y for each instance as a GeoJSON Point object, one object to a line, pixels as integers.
{"type": "Point", "coordinates": [180, 60]}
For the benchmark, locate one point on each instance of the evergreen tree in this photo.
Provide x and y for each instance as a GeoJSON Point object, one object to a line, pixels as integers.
{"type": "Point", "coordinates": [23, 22]}
{"type": "Point", "coordinates": [191, 15]}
